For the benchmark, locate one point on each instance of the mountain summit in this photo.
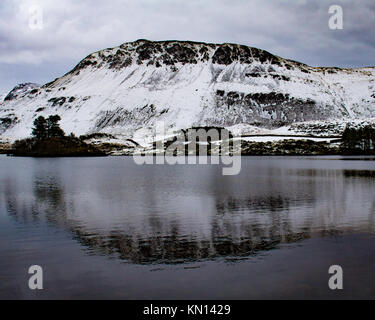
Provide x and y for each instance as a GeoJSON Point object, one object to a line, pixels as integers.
{"type": "Point", "coordinates": [127, 89]}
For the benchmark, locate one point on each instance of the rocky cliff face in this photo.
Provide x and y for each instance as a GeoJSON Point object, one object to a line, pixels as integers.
{"type": "Point", "coordinates": [127, 89]}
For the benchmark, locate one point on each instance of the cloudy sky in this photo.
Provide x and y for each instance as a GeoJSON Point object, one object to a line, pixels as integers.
{"type": "Point", "coordinates": [295, 29]}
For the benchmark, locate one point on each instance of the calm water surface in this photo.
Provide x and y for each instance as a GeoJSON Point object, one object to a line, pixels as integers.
{"type": "Point", "coordinates": [107, 228]}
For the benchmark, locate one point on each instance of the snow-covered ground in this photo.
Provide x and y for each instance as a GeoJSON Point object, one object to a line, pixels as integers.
{"type": "Point", "coordinates": [281, 138]}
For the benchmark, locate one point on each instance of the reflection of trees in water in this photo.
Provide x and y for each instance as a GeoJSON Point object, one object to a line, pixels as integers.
{"type": "Point", "coordinates": [17, 210]}
{"type": "Point", "coordinates": [50, 199]}
{"type": "Point", "coordinates": [241, 226]}
{"type": "Point", "coordinates": [360, 173]}
{"type": "Point", "coordinates": [370, 174]}
{"type": "Point", "coordinates": [46, 202]}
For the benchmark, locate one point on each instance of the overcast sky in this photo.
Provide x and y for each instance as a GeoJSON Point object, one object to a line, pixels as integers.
{"type": "Point", "coordinates": [295, 29]}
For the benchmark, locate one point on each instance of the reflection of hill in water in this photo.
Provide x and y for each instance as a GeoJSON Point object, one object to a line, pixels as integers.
{"type": "Point", "coordinates": [177, 249]}
{"type": "Point", "coordinates": [227, 224]}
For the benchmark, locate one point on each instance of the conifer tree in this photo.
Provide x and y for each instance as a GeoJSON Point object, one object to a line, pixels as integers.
{"type": "Point", "coordinates": [53, 127]}
{"type": "Point", "coordinates": [40, 128]}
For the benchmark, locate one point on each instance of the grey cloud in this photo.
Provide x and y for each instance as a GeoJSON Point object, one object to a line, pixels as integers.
{"type": "Point", "coordinates": [72, 29]}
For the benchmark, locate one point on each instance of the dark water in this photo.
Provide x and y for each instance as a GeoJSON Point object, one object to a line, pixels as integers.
{"type": "Point", "coordinates": [107, 228]}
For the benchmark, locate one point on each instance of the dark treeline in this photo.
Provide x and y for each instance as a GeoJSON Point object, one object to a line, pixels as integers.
{"type": "Point", "coordinates": [49, 140]}
{"type": "Point", "coordinates": [359, 141]}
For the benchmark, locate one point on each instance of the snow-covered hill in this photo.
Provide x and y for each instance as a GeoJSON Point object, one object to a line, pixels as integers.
{"type": "Point", "coordinates": [126, 90]}
{"type": "Point", "coordinates": [20, 91]}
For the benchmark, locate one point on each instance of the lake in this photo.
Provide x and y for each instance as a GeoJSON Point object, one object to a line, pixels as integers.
{"type": "Point", "coordinates": [106, 228]}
